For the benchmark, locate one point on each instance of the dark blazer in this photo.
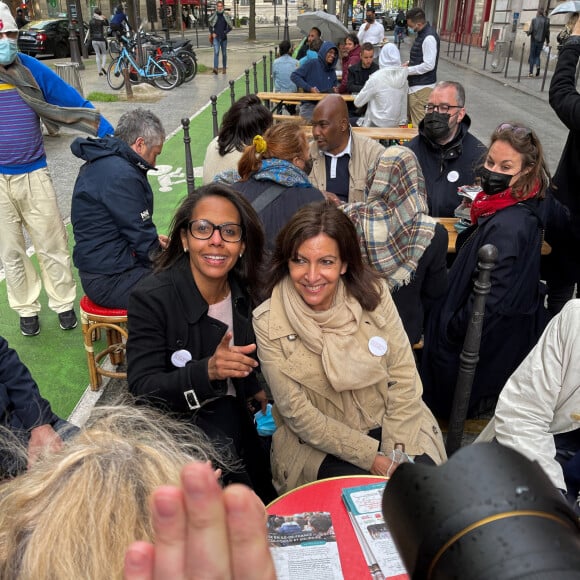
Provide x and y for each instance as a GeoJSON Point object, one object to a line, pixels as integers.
{"type": "Point", "coordinates": [514, 311]}
{"type": "Point", "coordinates": [168, 314]}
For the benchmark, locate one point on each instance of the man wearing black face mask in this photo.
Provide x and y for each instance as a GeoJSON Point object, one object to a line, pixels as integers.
{"type": "Point", "coordinates": [372, 31]}
{"type": "Point", "coordinates": [447, 152]}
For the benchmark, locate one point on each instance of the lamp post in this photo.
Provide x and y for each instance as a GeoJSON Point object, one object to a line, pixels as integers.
{"type": "Point", "coordinates": [73, 37]}
{"type": "Point", "coordinates": [286, 30]}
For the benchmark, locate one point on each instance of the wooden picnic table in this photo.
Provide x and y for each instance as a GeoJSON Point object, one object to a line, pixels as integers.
{"type": "Point", "coordinates": [386, 133]}
{"type": "Point", "coordinates": [293, 98]}
{"type": "Point", "coordinates": [449, 224]}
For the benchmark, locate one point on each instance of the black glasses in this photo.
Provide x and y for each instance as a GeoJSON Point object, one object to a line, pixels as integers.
{"type": "Point", "coordinates": [515, 129]}
{"type": "Point", "coordinates": [441, 108]}
{"type": "Point", "coordinates": [203, 230]}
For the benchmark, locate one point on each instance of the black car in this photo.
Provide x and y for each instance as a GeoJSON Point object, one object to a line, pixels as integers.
{"type": "Point", "coordinates": [45, 37]}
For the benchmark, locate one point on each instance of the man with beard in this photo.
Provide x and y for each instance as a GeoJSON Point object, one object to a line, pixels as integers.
{"type": "Point", "coordinates": [447, 152]}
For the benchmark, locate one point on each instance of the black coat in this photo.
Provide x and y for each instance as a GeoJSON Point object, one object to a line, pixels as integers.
{"type": "Point", "coordinates": [514, 312]}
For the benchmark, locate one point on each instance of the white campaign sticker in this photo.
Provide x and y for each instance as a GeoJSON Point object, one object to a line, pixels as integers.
{"type": "Point", "coordinates": [452, 176]}
{"type": "Point", "coordinates": [180, 358]}
{"type": "Point", "coordinates": [377, 345]}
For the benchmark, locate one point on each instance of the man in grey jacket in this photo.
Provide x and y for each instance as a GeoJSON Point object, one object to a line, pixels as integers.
{"type": "Point", "coordinates": [539, 32]}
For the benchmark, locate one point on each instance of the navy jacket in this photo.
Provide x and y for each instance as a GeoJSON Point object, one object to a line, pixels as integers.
{"type": "Point", "coordinates": [112, 208]}
{"type": "Point", "coordinates": [21, 405]}
{"type": "Point", "coordinates": [416, 57]}
{"type": "Point", "coordinates": [448, 166]}
{"type": "Point", "coordinates": [317, 72]}
{"type": "Point", "coordinates": [514, 311]}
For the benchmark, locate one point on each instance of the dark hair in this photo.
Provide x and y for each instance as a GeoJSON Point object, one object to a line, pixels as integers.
{"type": "Point", "coordinates": [459, 90]}
{"type": "Point", "coordinates": [352, 36]}
{"type": "Point", "coordinates": [284, 140]}
{"type": "Point", "coordinates": [416, 15]}
{"type": "Point", "coordinates": [371, 9]}
{"type": "Point", "coordinates": [315, 44]}
{"type": "Point", "coordinates": [366, 47]}
{"type": "Point", "coordinates": [361, 282]}
{"type": "Point", "coordinates": [246, 118]}
{"type": "Point", "coordinates": [285, 47]}
{"type": "Point", "coordinates": [317, 30]}
{"type": "Point", "coordinates": [248, 269]}
{"type": "Point", "coordinates": [527, 144]}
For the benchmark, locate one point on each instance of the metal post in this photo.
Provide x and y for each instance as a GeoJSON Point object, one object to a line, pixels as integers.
{"type": "Point", "coordinates": [448, 44]}
{"type": "Point", "coordinates": [485, 53]}
{"type": "Point", "coordinates": [286, 29]}
{"type": "Point", "coordinates": [521, 61]}
{"type": "Point", "coordinates": [271, 72]}
{"type": "Point", "coordinates": [546, 67]}
{"type": "Point", "coordinates": [460, 45]}
{"type": "Point", "coordinates": [232, 91]}
{"type": "Point", "coordinates": [507, 62]}
{"type": "Point", "coordinates": [189, 175]}
{"type": "Point", "coordinates": [247, 73]}
{"type": "Point", "coordinates": [454, 46]}
{"type": "Point", "coordinates": [255, 70]}
{"type": "Point", "coordinates": [469, 48]}
{"type": "Point", "coordinates": [128, 85]}
{"type": "Point", "coordinates": [469, 356]}
{"type": "Point", "coordinates": [213, 100]}
{"type": "Point", "coordinates": [265, 72]}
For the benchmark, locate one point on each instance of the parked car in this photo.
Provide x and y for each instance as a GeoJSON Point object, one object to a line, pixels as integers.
{"type": "Point", "coordinates": [46, 38]}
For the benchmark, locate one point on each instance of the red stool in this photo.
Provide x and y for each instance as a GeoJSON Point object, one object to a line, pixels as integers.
{"type": "Point", "coordinates": [114, 321]}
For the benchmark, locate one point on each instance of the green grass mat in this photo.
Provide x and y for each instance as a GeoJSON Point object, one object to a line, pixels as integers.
{"type": "Point", "coordinates": [57, 358]}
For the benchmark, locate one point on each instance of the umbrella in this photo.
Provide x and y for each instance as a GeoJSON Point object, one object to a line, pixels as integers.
{"type": "Point", "coordinates": [570, 6]}
{"type": "Point", "coordinates": [330, 26]}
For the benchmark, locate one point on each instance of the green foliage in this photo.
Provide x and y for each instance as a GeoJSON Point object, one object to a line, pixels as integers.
{"type": "Point", "coordinates": [99, 97]}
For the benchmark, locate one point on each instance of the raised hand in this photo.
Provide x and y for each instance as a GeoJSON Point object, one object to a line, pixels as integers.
{"type": "Point", "coordinates": [231, 361]}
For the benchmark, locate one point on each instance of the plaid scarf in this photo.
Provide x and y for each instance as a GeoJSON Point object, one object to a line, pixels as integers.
{"type": "Point", "coordinates": [279, 171]}
{"type": "Point", "coordinates": [79, 118]}
{"type": "Point", "coordinates": [393, 225]}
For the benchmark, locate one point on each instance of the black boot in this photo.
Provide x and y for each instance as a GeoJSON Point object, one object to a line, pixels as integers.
{"type": "Point", "coordinates": [538, 72]}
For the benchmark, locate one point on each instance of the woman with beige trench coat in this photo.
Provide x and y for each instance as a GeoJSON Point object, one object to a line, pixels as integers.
{"type": "Point", "coordinates": [337, 359]}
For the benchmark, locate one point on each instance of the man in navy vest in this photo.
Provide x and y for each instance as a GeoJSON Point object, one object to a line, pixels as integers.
{"type": "Point", "coordinates": [422, 64]}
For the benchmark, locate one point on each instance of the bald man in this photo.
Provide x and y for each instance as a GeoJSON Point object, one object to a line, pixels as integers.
{"type": "Point", "coordinates": [341, 158]}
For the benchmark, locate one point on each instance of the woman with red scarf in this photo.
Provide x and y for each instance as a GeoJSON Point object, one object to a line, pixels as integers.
{"type": "Point", "coordinates": [509, 214]}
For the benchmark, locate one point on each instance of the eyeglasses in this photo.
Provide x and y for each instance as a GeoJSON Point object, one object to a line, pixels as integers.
{"type": "Point", "coordinates": [441, 108]}
{"type": "Point", "coordinates": [515, 129]}
{"type": "Point", "coordinates": [203, 230]}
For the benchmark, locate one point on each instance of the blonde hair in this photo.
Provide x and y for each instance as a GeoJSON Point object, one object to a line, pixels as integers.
{"type": "Point", "coordinates": [75, 512]}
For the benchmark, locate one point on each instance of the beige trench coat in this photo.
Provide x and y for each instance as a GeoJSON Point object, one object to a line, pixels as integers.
{"type": "Point", "coordinates": [364, 154]}
{"type": "Point", "coordinates": [314, 420]}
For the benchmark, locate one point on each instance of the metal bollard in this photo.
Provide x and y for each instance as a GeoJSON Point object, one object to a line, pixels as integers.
{"type": "Point", "coordinates": [448, 44]}
{"type": "Point", "coordinates": [507, 62]}
{"type": "Point", "coordinates": [255, 70]}
{"type": "Point", "coordinates": [460, 45]}
{"type": "Point", "coordinates": [486, 48]}
{"type": "Point", "coordinates": [232, 91]}
{"type": "Point", "coordinates": [454, 46]}
{"type": "Point", "coordinates": [247, 73]}
{"type": "Point", "coordinates": [213, 100]}
{"type": "Point", "coordinates": [189, 175]}
{"type": "Point", "coordinates": [272, 70]}
{"type": "Point", "coordinates": [546, 68]}
{"type": "Point", "coordinates": [521, 61]}
{"type": "Point", "coordinates": [265, 73]}
{"type": "Point", "coordinates": [469, 48]}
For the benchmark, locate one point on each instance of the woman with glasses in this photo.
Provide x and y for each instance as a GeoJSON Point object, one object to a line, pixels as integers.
{"type": "Point", "coordinates": [273, 176]}
{"type": "Point", "coordinates": [191, 347]}
{"type": "Point", "coordinates": [338, 361]}
{"type": "Point", "coordinates": [508, 213]}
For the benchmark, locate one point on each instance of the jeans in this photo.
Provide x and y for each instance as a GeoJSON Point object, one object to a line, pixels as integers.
{"type": "Point", "coordinates": [223, 44]}
{"type": "Point", "coordinates": [535, 52]}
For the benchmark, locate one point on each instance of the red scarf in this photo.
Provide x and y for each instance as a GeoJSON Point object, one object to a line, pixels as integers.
{"type": "Point", "coordinates": [485, 205]}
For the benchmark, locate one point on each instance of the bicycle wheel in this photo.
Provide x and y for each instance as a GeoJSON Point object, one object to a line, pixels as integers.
{"type": "Point", "coordinates": [115, 76]}
{"type": "Point", "coordinates": [189, 63]}
{"type": "Point", "coordinates": [170, 79]}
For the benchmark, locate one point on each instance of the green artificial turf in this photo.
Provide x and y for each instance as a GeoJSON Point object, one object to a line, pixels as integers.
{"type": "Point", "coordinates": [55, 358]}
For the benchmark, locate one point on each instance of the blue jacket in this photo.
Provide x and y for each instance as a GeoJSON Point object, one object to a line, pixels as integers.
{"type": "Point", "coordinates": [112, 208]}
{"type": "Point", "coordinates": [21, 405]}
{"type": "Point", "coordinates": [317, 72]}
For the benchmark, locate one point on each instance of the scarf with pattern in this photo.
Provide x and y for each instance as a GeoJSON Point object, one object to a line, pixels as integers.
{"type": "Point", "coordinates": [393, 224]}
{"type": "Point", "coordinates": [277, 170]}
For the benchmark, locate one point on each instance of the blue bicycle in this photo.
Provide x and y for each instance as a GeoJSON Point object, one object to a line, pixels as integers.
{"type": "Point", "coordinates": [164, 73]}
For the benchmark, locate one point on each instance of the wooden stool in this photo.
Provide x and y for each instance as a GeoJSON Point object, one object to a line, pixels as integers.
{"type": "Point", "coordinates": [114, 321]}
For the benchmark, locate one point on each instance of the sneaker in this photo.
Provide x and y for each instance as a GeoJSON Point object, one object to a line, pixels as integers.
{"type": "Point", "coordinates": [101, 74]}
{"type": "Point", "coordinates": [29, 325]}
{"type": "Point", "coordinates": [215, 71]}
{"type": "Point", "coordinates": [67, 320]}
{"type": "Point", "coordinates": [104, 71]}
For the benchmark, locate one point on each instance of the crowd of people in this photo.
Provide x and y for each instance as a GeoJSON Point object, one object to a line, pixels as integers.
{"type": "Point", "coordinates": [300, 274]}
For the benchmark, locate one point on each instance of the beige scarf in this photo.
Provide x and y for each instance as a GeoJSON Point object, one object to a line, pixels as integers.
{"type": "Point", "coordinates": [331, 334]}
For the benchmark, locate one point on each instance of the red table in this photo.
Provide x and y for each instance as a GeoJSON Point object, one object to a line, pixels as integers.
{"type": "Point", "coordinates": [325, 495]}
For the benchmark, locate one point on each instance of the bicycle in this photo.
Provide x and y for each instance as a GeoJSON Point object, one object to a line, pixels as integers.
{"type": "Point", "coordinates": [163, 73]}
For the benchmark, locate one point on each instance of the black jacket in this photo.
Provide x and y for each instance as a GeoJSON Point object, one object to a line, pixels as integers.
{"type": "Point", "coordinates": [446, 167]}
{"type": "Point", "coordinates": [514, 311]}
{"type": "Point", "coordinates": [358, 76]}
{"type": "Point", "coordinates": [168, 314]}
{"type": "Point", "coordinates": [112, 208]}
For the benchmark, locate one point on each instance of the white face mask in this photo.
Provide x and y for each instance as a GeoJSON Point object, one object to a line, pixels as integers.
{"type": "Point", "coordinates": [8, 51]}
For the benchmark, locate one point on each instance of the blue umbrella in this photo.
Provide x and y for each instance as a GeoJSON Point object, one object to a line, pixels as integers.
{"type": "Point", "coordinates": [566, 7]}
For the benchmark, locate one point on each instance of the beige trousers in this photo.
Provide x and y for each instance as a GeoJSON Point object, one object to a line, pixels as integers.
{"type": "Point", "coordinates": [417, 102]}
{"type": "Point", "coordinates": [29, 201]}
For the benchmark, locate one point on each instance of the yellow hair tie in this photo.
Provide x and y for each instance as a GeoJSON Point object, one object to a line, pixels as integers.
{"type": "Point", "coordinates": [260, 144]}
